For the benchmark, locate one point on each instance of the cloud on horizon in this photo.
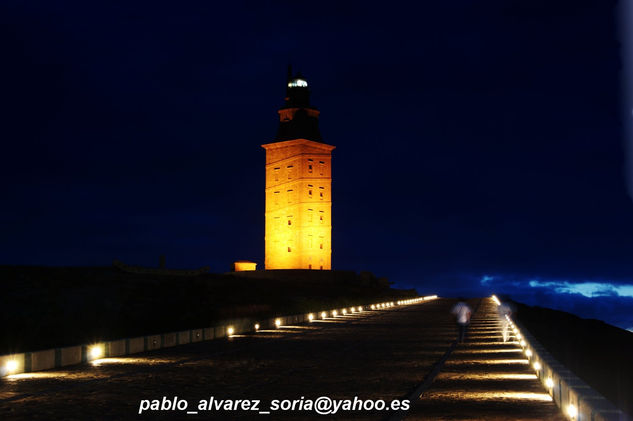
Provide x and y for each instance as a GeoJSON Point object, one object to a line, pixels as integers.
{"type": "Point", "coordinates": [610, 301]}
{"type": "Point", "coordinates": [587, 289]}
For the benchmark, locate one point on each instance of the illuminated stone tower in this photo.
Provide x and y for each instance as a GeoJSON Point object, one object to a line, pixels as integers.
{"type": "Point", "coordinates": [298, 187]}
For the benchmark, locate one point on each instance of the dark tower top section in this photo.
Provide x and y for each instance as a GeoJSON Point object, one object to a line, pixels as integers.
{"type": "Point", "coordinates": [297, 118]}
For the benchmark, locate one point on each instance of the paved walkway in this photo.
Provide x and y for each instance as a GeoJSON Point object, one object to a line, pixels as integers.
{"type": "Point", "coordinates": [381, 354]}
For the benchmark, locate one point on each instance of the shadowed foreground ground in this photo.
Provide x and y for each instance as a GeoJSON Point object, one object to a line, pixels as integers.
{"type": "Point", "coordinates": [375, 355]}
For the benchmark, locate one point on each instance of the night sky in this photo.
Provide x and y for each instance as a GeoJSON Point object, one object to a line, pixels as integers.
{"type": "Point", "coordinates": [480, 145]}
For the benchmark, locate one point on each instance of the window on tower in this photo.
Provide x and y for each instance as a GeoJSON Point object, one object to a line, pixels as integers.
{"type": "Point", "coordinates": [276, 172]}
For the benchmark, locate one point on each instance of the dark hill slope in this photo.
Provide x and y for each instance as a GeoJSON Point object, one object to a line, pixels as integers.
{"type": "Point", "coordinates": [600, 354]}
{"type": "Point", "coordinates": [44, 307]}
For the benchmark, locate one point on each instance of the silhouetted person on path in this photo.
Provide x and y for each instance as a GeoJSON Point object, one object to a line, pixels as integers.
{"type": "Point", "coordinates": [505, 310]}
{"type": "Point", "coordinates": [462, 313]}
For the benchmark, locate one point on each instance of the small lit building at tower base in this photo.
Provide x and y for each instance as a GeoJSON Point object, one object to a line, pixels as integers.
{"type": "Point", "coordinates": [244, 265]}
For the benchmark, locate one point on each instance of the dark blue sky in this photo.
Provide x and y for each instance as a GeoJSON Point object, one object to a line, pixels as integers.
{"type": "Point", "coordinates": [475, 139]}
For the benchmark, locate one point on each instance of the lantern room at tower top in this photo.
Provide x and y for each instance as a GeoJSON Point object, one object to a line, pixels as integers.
{"type": "Point", "coordinates": [298, 186]}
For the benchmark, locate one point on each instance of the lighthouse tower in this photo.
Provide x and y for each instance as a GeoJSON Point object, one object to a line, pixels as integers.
{"type": "Point", "coordinates": [298, 186]}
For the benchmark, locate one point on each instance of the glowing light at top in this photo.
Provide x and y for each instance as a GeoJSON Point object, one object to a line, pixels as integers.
{"type": "Point", "coordinates": [297, 83]}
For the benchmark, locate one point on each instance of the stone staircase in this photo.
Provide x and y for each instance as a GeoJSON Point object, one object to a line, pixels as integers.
{"type": "Point", "coordinates": [485, 378]}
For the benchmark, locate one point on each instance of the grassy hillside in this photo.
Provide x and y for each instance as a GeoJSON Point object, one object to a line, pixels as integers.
{"type": "Point", "coordinates": [44, 307]}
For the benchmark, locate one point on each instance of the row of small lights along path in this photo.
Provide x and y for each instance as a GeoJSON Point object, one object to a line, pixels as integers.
{"type": "Point", "coordinates": [381, 354]}
{"type": "Point", "coordinates": [284, 362]}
